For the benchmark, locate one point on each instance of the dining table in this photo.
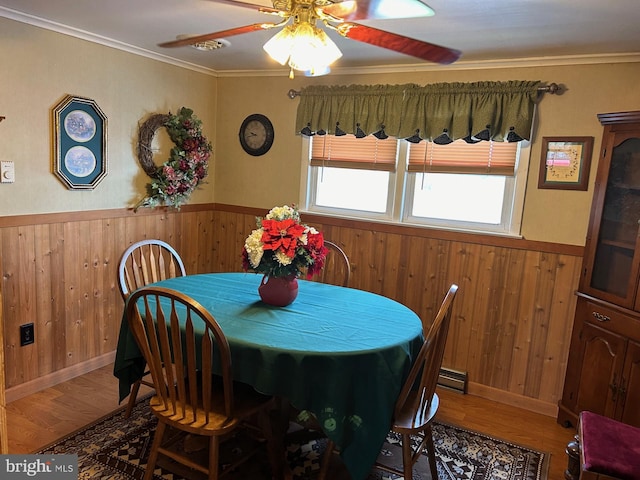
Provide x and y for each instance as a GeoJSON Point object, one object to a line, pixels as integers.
{"type": "Point", "coordinates": [340, 353]}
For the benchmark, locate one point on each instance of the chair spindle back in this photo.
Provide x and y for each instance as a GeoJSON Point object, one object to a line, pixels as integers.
{"type": "Point", "coordinates": [145, 262]}
{"type": "Point", "coordinates": [167, 326]}
{"type": "Point", "coordinates": [425, 371]}
{"type": "Point", "coordinates": [337, 270]}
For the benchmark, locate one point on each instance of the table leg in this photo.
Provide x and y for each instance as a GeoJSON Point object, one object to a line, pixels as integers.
{"type": "Point", "coordinates": [280, 426]}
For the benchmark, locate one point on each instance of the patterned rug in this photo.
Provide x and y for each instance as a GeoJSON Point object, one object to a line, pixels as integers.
{"type": "Point", "coordinates": [116, 448]}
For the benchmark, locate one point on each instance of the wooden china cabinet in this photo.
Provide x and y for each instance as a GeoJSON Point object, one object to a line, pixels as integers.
{"type": "Point", "coordinates": [603, 370]}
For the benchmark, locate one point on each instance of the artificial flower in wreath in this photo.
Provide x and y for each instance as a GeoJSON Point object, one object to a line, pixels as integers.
{"type": "Point", "coordinates": [283, 246]}
{"type": "Point", "coordinates": [173, 183]}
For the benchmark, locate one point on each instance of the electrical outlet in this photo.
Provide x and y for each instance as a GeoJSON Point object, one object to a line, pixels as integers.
{"type": "Point", "coordinates": [26, 334]}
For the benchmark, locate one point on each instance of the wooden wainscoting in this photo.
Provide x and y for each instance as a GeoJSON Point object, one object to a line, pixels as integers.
{"type": "Point", "coordinates": [59, 271]}
{"type": "Point", "coordinates": [512, 317]}
{"type": "Point", "coordinates": [513, 314]}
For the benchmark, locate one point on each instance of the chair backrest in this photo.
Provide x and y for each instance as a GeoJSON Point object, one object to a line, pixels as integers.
{"type": "Point", "coordinates": [145, 262]}
{"type": "Point", "coordinates": [337, 269]}
{"type": "Point", "coordinates": [424, 373]}
{"type": "Point", "coordinates": [181, 341]}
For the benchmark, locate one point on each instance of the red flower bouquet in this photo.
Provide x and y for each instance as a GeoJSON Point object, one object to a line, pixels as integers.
{"type": "Point", "coordinates": [283, 246]}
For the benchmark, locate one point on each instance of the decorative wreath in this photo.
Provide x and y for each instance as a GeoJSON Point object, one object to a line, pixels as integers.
{"type": "Point", "coordinates": [174, 181]}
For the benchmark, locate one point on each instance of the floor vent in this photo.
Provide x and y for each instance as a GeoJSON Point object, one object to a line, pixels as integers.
{"type": "Point", "coordinates": [453, 380]}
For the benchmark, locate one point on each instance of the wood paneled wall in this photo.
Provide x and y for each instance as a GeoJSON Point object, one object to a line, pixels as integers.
{"type": "Point", "coordinates": [512, 316]}
{"type": "Point", "coordinates": [59, 271]}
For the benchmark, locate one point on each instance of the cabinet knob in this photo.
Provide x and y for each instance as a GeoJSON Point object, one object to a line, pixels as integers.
{"type": "Point", "coordinates": [600, 317]}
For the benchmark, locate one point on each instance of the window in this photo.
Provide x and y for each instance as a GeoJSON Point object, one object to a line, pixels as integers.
{"type": "Point", "coordinates": [470, 186]}
{"type": "Point", "coordinates": [353, 176]}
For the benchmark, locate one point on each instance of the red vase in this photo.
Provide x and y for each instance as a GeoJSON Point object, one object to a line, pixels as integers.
{"type": "Point", "coordinates": [278, 291]}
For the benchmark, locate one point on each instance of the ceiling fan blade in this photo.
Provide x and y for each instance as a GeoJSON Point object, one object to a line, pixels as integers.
{"type": "Point", "coordinates": [183, 42]}
{"type": "Point", "coordinates": [351, 10]}
{"type": "Point", "coordinates": [398, 43]}
{"type": "Point", "coordinates": [252, 6]}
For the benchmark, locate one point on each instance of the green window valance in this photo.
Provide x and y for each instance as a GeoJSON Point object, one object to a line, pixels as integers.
{"type": "Point", "coordinates": [440, 112]}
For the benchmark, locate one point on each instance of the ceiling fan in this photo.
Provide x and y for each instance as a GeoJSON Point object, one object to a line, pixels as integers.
{"type": "Point", "coordinates": [306, 47]}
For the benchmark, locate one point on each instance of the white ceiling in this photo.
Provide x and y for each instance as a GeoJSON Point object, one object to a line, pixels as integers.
{"type": "Point", "coordinates": [483, 30]}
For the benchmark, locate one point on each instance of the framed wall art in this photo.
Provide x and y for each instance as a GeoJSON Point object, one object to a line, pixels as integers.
{"type": "Point", "coordinates": [80, 137]}
{"type": "Point", "coordinates": [565, 163]}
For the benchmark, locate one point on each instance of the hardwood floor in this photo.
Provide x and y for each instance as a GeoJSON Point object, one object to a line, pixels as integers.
{"type": "Point", "coordinates": [42, 418]}
{"type": "Point", "coordinates": [508, 423]}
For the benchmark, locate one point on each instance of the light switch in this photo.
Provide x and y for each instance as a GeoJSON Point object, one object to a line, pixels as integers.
{"type": "Point", "coordinates": [7, 172]}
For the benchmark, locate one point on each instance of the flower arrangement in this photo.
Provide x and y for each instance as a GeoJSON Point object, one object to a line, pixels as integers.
{"type": "Point", "coordinates": [283, 246]}
{"type": "Point", "coordinates": [173, 182]}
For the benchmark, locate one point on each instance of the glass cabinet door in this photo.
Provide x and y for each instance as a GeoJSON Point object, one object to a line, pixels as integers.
{"type": "Point", "coordinates": [615, 266]}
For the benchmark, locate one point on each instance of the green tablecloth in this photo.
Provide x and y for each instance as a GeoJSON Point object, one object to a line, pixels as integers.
{"type": "Point", "coordinates": [340, 353]}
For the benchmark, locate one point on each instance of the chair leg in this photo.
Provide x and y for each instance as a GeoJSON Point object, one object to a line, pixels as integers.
{"type": "Point", "coordinates": [407, 457]}
{"type": "Point", "coordinates": [573, 459]}
{"type": "Point", "coordinates": [431, 451]}
{"type": "Point", "coordinates": [326, 460]}
{"type": "Point", "coordinates": [132, 398]}
{"type": "Point", "coordinates": [214, 457]}
{"type": "Point", "coordinates": [153, 455]}
{"type": "Point", "coordinates": [275, 442]}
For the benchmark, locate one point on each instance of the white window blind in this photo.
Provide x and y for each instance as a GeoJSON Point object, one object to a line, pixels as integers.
{"type": "Point", "coordinates": [347, 151]}
{"type": "Point", "coordinates": [483, 158]}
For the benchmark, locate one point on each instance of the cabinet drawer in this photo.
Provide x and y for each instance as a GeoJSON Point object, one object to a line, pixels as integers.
{"type": "Point", "coordinates": [613, 320]}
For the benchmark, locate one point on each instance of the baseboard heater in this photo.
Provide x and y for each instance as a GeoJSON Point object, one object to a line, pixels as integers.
{"type": "Point", "coordinates": [453, 380]}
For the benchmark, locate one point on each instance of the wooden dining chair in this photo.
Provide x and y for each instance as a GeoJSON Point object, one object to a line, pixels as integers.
{"type": "Point", "coordinates": [148, 261]}
{"type": "Point", "coordinates": [181, 342]}
{"type": "Point", "coordinates": [144, 262]}
{"type": "Point", "coordinates": [418, 401]}
{"type": "Point", "coordinates": [337, 269]}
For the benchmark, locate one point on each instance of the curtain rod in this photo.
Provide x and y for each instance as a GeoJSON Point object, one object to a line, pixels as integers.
{"type": "Point", "coordinates": [552, 88]}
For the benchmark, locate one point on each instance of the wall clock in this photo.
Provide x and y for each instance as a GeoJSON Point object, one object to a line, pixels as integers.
{"type": "Point", "coordinates": [256, 134]}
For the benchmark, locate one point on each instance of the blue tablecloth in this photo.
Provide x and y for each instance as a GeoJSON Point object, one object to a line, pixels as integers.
{"type": "Point", "coordinates": [340, 353]}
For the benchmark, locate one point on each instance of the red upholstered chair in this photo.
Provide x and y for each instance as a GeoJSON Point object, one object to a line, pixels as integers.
{"type": "Point", "coordinates": [606, 448]}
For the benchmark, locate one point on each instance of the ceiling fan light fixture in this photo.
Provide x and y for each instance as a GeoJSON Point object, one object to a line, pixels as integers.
{"type": "Point", "coordinates": [280, 45]}
{"type": "Point", "coordinates": [303, 47]}
{"type": "Point", "coordinates": [349, 10]}
{"type": "Point", "coordinates": [318, 72]}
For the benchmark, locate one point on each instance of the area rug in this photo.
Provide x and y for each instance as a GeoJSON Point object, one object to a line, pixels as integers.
{"type": "Point", "coordinates": [116, 448]}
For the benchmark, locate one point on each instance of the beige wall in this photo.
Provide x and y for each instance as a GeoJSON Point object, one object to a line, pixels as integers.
{"type": "Point", "coordinates": [39, 68]}
{"type": "Point", "coordinates": [549, 215]}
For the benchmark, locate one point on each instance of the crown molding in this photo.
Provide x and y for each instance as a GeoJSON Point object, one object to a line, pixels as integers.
{"type": "Point", "coordinates": [560, 60]}
{"type": "Point", "coordinates": [92, 37]}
